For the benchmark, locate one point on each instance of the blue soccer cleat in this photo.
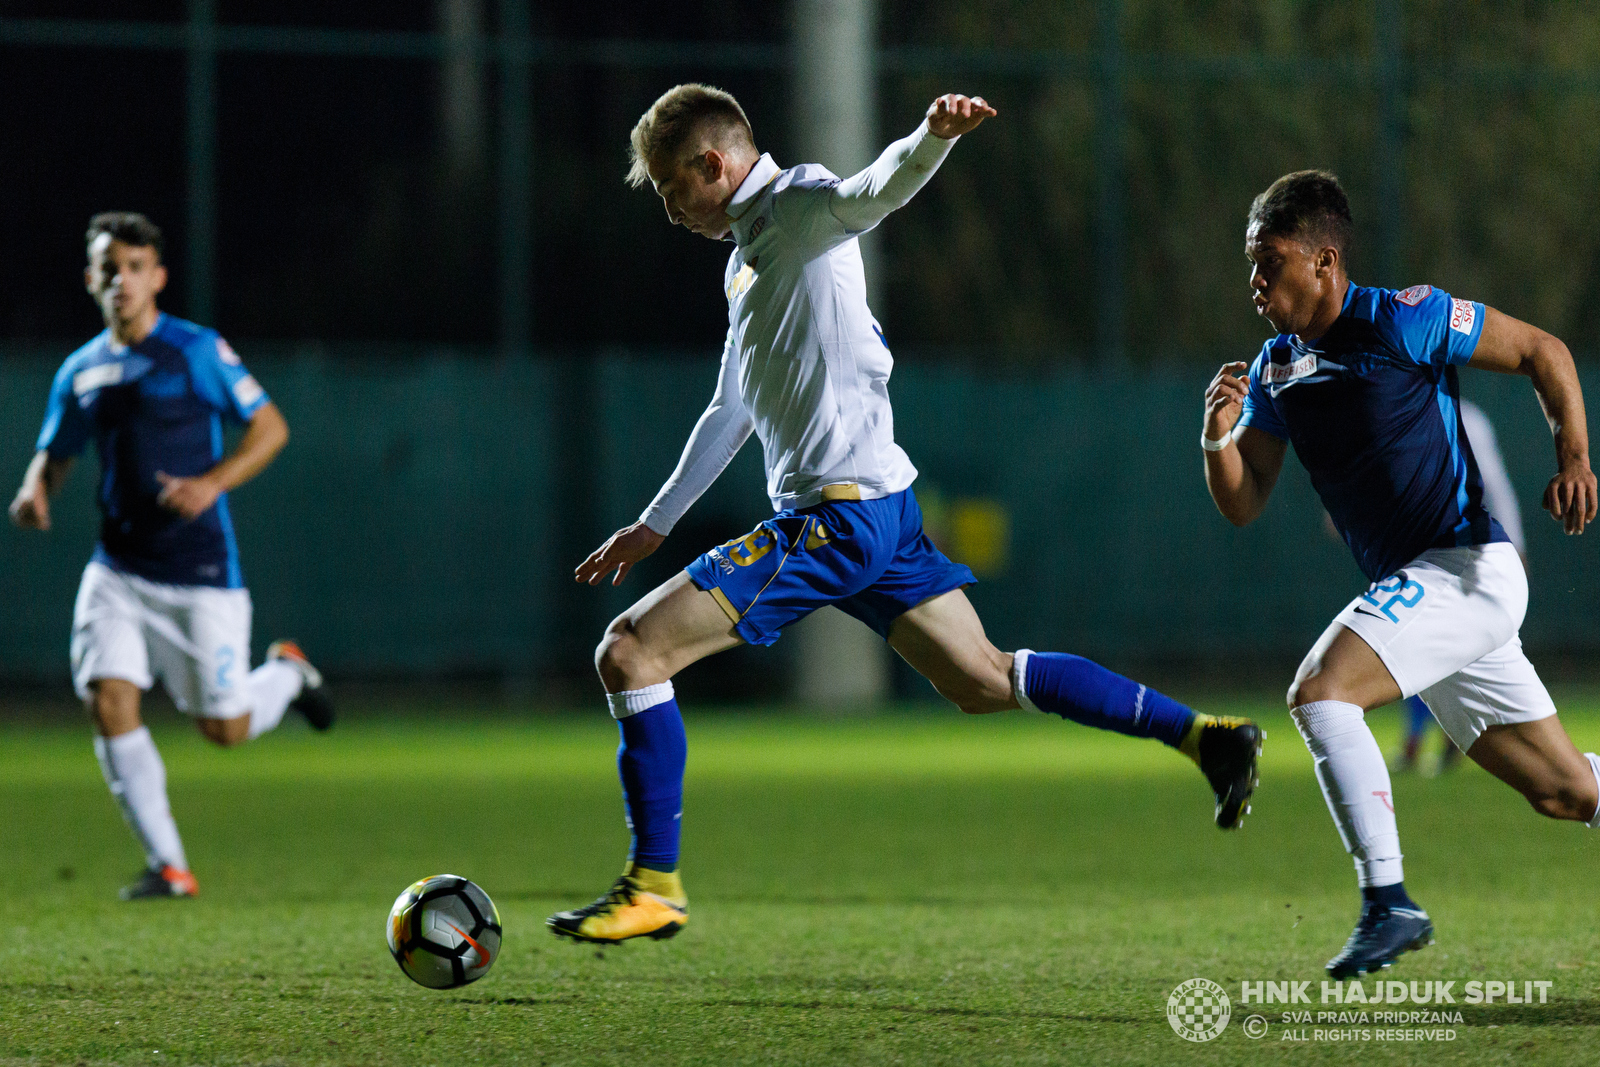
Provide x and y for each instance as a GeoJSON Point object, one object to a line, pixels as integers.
{"type": "Point", "coordinates": [1380, 936]}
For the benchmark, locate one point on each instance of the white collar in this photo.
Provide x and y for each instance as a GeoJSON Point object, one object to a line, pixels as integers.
{"type": "Point", "coordinates": [755, 183]}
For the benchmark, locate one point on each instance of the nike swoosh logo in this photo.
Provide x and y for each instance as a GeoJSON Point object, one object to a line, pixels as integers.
{"type": "Point", "coordinates": [1364, 611]}
{"type": "Point", "coordinates": [483, 957]}
{"type": "Point", "coordinates": [668, 903]}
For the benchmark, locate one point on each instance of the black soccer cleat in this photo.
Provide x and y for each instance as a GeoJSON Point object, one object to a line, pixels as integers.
{"type": "Point", "coordinates": [1380, 936]}
{"type": "Point", "coordinates": [1226, 749]}
{"type": "Point", "coordinates": [313, 700]}
{"type": "Point", "coordinates": [155, 882]}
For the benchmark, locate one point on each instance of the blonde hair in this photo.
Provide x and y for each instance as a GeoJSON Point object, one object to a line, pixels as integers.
{"type": "Point", "coordinates": [681, 114]}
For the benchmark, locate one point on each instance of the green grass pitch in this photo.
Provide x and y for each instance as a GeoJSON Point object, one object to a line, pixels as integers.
{"type": "Point", "coordinates": [915, 887]}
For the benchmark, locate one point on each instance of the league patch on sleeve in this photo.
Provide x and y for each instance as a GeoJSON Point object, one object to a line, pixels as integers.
{"type": "Point", "coordinates": [247, 390]}
{"type": "Point", "coordinates": [1462, 315]}
{"type": "Point", "coordinates": [226, 353]}
{"type": "Point", "coordinates": [1415, 295]}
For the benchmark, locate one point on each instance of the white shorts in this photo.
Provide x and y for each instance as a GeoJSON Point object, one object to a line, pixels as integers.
{"type": "Point", "coordinates": [194, 638]}
{"type": "Point", "coordinates": [1446, 627]}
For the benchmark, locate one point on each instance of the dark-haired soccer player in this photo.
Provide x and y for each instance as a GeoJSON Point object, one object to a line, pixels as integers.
{"type": "Point", "coordinates": [805, 368]}
{"type": "Point", "coordinates": [163, 596]}
{"type": "Point", "coordinates": [1363, 383]}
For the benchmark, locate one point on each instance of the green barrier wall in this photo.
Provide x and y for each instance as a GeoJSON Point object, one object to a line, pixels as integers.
{"type": "Point", "coordinates": [428, 512]}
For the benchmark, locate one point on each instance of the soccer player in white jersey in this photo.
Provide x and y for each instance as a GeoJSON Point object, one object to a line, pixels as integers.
{"type": "Point", "coordinates": [806, 369]}
{"type": "Point", "coordinates": [1363, 383]}
{"type": "Point", "coordinates": [163, 595]}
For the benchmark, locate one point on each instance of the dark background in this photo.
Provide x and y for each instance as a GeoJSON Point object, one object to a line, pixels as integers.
{"type": "Point", "coordinates": [338, 218]}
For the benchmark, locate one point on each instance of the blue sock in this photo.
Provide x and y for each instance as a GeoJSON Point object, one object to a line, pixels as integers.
{"type": "Point", "coordinates": [1388, 896]}
{"type": "Point", "coordinates": [1085, 692]}
{"type": "Point", "coordinates": [1420, 716]}
{"type": "Point", "coordinates": [650, 761]}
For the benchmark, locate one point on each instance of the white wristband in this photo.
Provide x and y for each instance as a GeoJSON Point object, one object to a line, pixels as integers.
{"type": "Point", "coordinates": [1215, 446]}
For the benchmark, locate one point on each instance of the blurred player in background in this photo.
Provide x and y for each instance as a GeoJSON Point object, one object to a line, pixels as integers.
{"type": "Point", "coordinates": [1363, 383]}
{"type": "Point", "coordinates": [163, 596]}
{"type": "Point", "coordinates": [1501, 501]}
{"type": "Point", "coordinates": [806, 368]}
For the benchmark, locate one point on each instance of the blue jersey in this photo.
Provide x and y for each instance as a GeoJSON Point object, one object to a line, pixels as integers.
{"type": "Point", "coordinates": [158, 405]}
{"type": "Point", "coordinates": [1373, 413]}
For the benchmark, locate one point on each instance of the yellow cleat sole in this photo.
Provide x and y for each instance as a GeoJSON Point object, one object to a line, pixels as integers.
{"type": "Point", "coordinates": [660, 933]}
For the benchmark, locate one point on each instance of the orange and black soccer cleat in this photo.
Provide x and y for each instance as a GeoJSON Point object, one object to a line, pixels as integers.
{"type": "Point", "coordinates": [642, 903]}
{"type": "Point", "coordinates": [313, 700]}
{"type": "Point", "coordinates": [166, 882]}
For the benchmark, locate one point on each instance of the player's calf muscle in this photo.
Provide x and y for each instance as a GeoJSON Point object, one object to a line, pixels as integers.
{"type": "Point", "coordinates": [226, 732]}
{"type": "Point", "coordinates": [983, 690]}
{"type": "Point", "coordinates": [113, 705]}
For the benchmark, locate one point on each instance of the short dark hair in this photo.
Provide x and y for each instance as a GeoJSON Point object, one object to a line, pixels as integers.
{"type": "Point", "coordinates": [129, 227]}
{"type": "Point", "coordinates": [1308, 205]}
{"type": "Point", "coordinates": [679, 114]}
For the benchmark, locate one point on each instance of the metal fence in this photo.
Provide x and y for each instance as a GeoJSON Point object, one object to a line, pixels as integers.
{"type": "Point", "coordinates": [1383, 77]}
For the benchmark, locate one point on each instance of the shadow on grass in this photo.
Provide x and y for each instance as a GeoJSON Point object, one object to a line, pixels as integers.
{"type": "Point", "coordinates": [907, 1009]}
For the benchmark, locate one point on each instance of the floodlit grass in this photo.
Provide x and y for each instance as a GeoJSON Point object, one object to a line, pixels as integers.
{"type": "Point", "coordinates": [914, 888]}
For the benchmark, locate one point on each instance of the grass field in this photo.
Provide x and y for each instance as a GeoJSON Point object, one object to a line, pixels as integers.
{"type": "Point", "coordinates": [914, 888]}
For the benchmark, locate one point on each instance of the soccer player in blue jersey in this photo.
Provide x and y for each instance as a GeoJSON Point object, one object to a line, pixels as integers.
{"type": "Point", "coordinates": [1363, 383]}
{"type": "Point", "coordinates": [805, 368]}
{"type": "Point", "coordinates": [163, 595]}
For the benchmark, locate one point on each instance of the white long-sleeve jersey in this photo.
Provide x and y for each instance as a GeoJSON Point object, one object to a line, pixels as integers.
{"type": "Point", "coordinates": [1498, 496]}
{"type": "Point", "coordinates": [805, 365]}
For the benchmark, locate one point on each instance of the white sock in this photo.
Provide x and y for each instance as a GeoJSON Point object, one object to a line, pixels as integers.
{"type": "Point", "coordinates": [138, 779]}
{"type": "Point", "coordinates": [1355, 782]}
{"type": "Point", "coordinates": [633, 701]}
{"type": "Point", "coordinates": [1594, 764]}
{"type": "Point", "coordinates": [271, 686]}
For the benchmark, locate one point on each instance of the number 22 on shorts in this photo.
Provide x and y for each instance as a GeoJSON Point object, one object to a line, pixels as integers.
{"type": "Point", "coordinates": [1396, 592]}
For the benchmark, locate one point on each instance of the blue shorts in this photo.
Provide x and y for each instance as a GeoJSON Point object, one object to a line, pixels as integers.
{"type": "Point", "coordinates": [868, 558]}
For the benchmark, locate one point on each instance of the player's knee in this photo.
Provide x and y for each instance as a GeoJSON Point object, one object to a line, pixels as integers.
{"type": "Point", "coordinates": [1309, 690]}
{"type": "Point", "coordinates": [620, 658]}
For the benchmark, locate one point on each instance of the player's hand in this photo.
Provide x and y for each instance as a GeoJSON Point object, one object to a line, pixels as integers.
{"type": "Point", "coordinates": [31, 507]}
{"type": "Point", "coordinates": [620, 552]}
{"type": "Point", "coordinates": [189, 497]}
{"type": "Point", "coordinates": [953, 115]}
{"type": "Point", "coordinates": [1225, 399]}
{"type": "Point", "coordinates": [1570, 498]}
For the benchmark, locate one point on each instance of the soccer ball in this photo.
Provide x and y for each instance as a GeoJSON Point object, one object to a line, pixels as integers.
{"type": "Point", "coordinates": [444, 932]}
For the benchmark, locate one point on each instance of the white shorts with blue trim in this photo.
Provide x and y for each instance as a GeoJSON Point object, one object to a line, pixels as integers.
{"type": "Point", "coordinates": [1446, 627]}
{"type": "Point", "coordinates": [194, 638]}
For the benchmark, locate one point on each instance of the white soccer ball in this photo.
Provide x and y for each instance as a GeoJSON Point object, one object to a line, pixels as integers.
{"type": "Point", "coordinates": [444, 932]}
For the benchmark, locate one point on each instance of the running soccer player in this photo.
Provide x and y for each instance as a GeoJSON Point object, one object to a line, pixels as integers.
{"type": "Point", "coordinates": [805, 367]}
{"type": "Point", "coordinates": [162, 596]}
{"type": "Point", "coordinates": [1363, 383]}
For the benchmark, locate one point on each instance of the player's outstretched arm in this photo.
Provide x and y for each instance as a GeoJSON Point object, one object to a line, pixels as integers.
{"type": "Point", "coordinates": [263, 439]}
{"type": "Point", "coordinates": [1511, 346]}
{"type": "Point", "coordinates": [30, 508]}
{"type": "Point", "coordinates": [863, 200]}
{"type": "Point", "coordinates": [1242, 473]}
